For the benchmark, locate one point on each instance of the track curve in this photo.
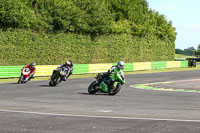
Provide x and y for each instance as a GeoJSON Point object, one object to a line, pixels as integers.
{"type": "Point", "coordinates": [69, 102]}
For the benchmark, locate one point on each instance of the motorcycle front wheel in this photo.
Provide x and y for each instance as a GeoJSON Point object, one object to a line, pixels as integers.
{"type": "Point", "coordinates": [54, 78]}
{"type": "Point", "coordinates": [115, 90]}
{"type": "Point", "coordinates": [20, 79]}
{"type": "Point", "coordinates": [52, 83]}
{"type": "Point", "coordinates": [92, 88]}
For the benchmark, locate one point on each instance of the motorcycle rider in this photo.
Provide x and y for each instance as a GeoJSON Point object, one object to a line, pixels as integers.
{"type": "Point", "coordinates": [69, 64]}
{"type": "Point", "coordinates": [32, 68]}
{"type": "Point", "coordinates": [113, 70]}
{"type": "Point", "coordinates": [117, 68]}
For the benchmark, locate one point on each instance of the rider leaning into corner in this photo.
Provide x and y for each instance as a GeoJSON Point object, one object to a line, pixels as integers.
{"type": "Point", "coordinates": [117, 68]}
{"type": "Point", "coordinates": [113, 70]}
{"type": "Point", "coordinates": [32, 68]}
{"type": "Point", "coordinates": [69, 64]}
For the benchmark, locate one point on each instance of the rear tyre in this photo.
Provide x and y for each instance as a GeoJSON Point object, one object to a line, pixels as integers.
{"type": "Point", "coordinates": [92, 88]}
{"type": "Point", "coordinates": [116, 90]}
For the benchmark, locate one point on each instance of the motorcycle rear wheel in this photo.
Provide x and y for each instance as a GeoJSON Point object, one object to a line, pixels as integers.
{"type": "Point", "coordinates": [92, 88]}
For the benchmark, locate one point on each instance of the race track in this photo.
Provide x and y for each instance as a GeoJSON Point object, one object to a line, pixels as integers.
{"type": "Point", "coordinates": [68, 108]}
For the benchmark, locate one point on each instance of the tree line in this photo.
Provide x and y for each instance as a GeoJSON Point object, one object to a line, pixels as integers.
{"type": "Point", "coordinates": [92, 17]}
{"type": "Point", "coordinates": [191, 51]}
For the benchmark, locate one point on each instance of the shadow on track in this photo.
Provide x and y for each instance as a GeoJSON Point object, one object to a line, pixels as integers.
{"type": "Point", "coordinates": [44, 86]}
{"type": "Point", "coordinates": [100, 94]}
{"type": "Point", "coordinates": [14, 83]}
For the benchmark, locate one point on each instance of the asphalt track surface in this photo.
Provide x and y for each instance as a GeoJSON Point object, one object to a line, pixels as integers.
{"type": "Point", "coordinates": [68, 108]}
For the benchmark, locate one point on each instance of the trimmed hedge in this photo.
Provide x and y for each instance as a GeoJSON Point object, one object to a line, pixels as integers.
{"type": "Point", "coordinates": [19, 47]}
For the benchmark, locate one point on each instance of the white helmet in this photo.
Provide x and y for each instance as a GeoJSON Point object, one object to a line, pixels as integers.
{"type": "Point", "coordinates": [68, 63]}
{"type": "Point", "coordinates": [120, 65]}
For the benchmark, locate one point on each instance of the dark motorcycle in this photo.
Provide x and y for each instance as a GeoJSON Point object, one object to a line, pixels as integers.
{"type": "Point", "coordinates": [110, 84]}
{"type": "Point", "coordinates": [58, 75]}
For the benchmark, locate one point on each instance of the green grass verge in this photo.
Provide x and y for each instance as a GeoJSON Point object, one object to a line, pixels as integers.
{"type": "Point", "coordinates": [183, 56]}
{"type": "Point", "coordinates": [93, 75]}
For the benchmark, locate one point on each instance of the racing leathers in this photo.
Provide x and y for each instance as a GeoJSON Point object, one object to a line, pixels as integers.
{"type": "Point", "coordinates": [113, 69]}
{"type": "Point", "coordinates": [71, 67]}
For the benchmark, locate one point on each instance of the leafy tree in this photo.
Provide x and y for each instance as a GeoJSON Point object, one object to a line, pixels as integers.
{"type": "Point", "coordinates": [15, 14]}
{"type": "Point", "coordinates": [179, 51]}
{"type": "Point", "coordinates": [56, 14]}
{"type": "Point", "coordinates": [198, 50]}
{"type": "Point", "coordinates": [96, 16]}
{"type": "Point", "coordinates": [190, 51]}
{"type": "Point", "coordinates": [93, 17]}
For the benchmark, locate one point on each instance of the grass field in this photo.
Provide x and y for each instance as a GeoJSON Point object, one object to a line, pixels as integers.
{"type": "Point", "coordinates": [93, 75]}
{"type": "Point", "coordinates": [183, 56]}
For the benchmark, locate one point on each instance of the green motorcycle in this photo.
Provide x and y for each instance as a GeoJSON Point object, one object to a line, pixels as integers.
{"type": "Point", "coordinates": [110, 84]}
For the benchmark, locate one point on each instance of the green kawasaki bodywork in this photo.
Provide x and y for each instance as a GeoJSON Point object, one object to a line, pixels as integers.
{"type": "Point", "coordinates": [117, 79]}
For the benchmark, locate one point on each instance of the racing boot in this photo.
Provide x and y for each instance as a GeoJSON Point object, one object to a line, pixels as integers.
{"type": "Point", "coordinates": [32, 77]}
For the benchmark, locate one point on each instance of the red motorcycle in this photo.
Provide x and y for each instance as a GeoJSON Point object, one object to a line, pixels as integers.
{"type": "Point", "coordinates": [25, 75]}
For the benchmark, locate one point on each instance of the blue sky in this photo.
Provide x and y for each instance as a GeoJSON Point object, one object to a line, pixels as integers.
{"type": "Point", "coordinates": [185, 17]}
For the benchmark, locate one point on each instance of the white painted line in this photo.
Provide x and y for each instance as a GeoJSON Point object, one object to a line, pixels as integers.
{"type": "Point", "coordinates": [105, 111]}
{"type": "Point", "coordinates": [106, 117]}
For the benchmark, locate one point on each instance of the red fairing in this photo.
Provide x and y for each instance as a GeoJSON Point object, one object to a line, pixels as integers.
{"type": "Point", "coordinates": [31, 68]}
{"type": "Point", "coordinates": [26, 76]}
